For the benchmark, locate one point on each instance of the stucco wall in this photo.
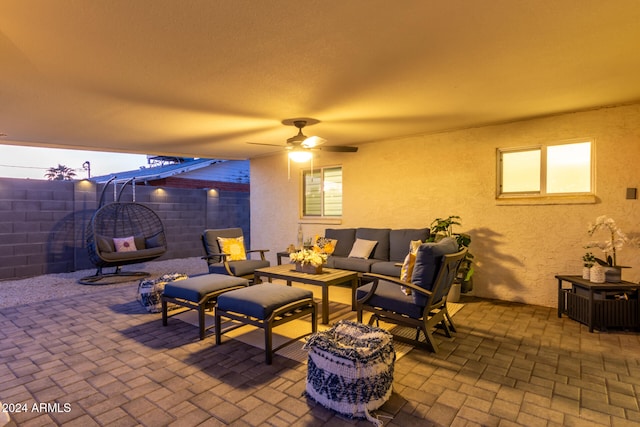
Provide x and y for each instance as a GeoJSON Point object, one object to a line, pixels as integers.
{"type": "Point", "coordinates": [408, 182]}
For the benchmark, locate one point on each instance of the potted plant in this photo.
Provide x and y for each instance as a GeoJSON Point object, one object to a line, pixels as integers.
{"type": "Point", "coordinates": [616, 239]}
{"type": "Point", "coordinates": [443, 227]}
{"type": "Point", "coordinates": [588, 260]}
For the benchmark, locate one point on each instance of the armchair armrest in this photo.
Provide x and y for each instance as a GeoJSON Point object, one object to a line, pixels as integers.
{"type": "Point", "coordinates": [262, 251]}
{"type": "Point", "coordinates": [377, 277]}
{"type": "Point", "coordinates": [220, 255]}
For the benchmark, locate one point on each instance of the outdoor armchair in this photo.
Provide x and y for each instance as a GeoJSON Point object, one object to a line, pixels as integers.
{"type": "Point", "coordinates": [425, 308]}
{"type": "Point", "coordinates": [226, 253]}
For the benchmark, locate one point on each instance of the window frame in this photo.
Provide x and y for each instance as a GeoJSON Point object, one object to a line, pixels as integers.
{"type": "Point", "coordinates": [542, 196]}
{"type": "Point", "coordinates": [321, 217]}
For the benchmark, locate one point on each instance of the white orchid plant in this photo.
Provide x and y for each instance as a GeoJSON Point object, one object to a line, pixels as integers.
{"type": "Point", "coordinates": [308, 256]}
{"type": "Point", "coordinates": [616, 241]}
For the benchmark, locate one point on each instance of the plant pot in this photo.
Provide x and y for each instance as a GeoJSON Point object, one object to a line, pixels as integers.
{"type": "Point", "coordinates": [596, 274]}
{"type": "Point", "coordinates": [613, 274]}
{"type": "Point", "coordinates": [586, 272]}
{"type": "Point", "coordinates": [308, 268]}
{"type": "Point", "coordinates": [454, 293]}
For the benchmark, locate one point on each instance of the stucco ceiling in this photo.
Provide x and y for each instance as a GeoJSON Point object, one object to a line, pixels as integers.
{"type": "Point", "coordinates": [203, 78]}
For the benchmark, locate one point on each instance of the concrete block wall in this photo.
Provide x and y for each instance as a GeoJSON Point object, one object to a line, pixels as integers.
{"type": "Point", "coordinates": [43, 224]}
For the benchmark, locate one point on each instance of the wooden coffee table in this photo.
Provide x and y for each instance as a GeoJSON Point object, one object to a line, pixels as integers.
{"type": "Point", "coordinates": [328, 277]}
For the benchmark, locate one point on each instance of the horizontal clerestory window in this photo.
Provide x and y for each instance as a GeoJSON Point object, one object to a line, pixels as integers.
{"type": "Point", "coordinates": [551, 170]}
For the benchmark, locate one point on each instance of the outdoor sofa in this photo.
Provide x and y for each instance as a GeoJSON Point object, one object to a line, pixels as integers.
{"type": "Point", "coordinates": [389, 251]}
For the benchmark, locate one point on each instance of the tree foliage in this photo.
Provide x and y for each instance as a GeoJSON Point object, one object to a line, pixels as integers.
{"type": "Point", "coordinates": [60, 173]}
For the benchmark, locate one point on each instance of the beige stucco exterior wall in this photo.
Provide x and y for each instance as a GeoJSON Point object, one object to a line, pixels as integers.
{"type": "Point", "coordinates": [408, 182]}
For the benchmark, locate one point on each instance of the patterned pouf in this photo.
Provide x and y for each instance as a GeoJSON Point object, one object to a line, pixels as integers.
{"type": "Point", "coordinates": [150, 291]}
{"type": "Point", "coordinates": [350, 368]}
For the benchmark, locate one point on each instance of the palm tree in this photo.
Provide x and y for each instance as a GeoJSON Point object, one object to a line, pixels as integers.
{"type": "Point", "coordinates": [60, 173]}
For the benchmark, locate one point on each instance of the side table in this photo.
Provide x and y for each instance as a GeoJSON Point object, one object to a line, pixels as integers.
{"type": "Point", "coordinates": [280, 255]}
{"type": "Point", "coordinates": [600, 305]}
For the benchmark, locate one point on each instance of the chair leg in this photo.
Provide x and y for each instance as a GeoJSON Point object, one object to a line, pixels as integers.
{"type": "Point", "coordinates": [201, 321]}
{"type": "Point", "coordinates": [164, 313]}
{"type": "Point", "coordinates": [268, 343]}
{"type": "Point", "coordinates": [451, 325]}
{"type": "Point", "coordinates": [218, 328]}
{"type": "Point", "coordinates": [314, 318]}
{"type": "Point", "coordinates": [430, 341]}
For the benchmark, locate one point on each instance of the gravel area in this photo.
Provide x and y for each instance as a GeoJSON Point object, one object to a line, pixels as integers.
{"type": "Point", "coordinates": [49, 286]}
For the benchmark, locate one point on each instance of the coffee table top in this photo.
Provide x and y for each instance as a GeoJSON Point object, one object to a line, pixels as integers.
{"type": "Point", "coordinates": [288, 272]}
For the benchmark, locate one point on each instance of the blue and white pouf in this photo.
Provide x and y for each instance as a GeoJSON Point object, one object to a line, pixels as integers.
{"type": "Point", "coordinates": [150, 291]}
{"type": "Point", "coordinates": [350, 368]}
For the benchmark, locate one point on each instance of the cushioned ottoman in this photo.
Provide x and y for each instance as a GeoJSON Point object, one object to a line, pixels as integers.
{"type": "Point", "coordinates": [265, 306]}
{"type": "Point", "coordinates": [350, 368]}
{"type": "Point", "coordinates": [198, 293]}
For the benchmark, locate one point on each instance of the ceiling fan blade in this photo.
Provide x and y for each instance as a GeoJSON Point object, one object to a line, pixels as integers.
{"type": "Point", "coordinates": [339, 149]}
{"type": "Point", "coordinates": [270, 145]}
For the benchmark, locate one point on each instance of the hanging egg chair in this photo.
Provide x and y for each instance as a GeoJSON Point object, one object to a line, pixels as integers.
{"type": "Point", "coordinates": [122, 233]}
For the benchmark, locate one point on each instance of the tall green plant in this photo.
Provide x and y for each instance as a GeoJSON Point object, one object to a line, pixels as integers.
{"type": "Point", "coordinates": [443, 227]}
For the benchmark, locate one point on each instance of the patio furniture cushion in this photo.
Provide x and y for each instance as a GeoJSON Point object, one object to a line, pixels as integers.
{"type": "Point", "coordinates": [362, 248]}
{"type": "Point", "coordinates": [380, 235]}
{"type": "Point", "coordinates": [399, 241]}
{"type": "Point", "coordinates": [196, 288]}
{"type": "Point", "coordinates": [261, 300]}
{"type": "Point", "coordinates": [234, 246]}
{"type": "Point", "coordinates": [265, 306]}
{"type": "Point", "coordinates": [345, 237]}
{"type": "Point", "coordinates": [427, 265]}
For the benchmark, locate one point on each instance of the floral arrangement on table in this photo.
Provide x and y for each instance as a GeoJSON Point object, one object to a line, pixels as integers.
{"type": "Point", "coordinates": [616, 239]}
{"type": "Point", "coordinates": [309, 256]}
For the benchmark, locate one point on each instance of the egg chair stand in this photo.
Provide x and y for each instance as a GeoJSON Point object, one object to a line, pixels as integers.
{"type": "Point", "coordinates": [139, 226]}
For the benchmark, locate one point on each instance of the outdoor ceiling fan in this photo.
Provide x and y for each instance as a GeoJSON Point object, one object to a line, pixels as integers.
{"type": "Point", "coordinates": [300, 146]}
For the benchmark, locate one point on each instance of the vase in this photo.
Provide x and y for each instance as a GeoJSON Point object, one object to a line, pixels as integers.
{"type": "Point", "coordinates": [596, 274]}
{"type": "Point", "coordinates": [613, 274]}
{"type": "Point", "coordinates": [585, 272]}
{"type": "Point", "coordinates": [308, 268]}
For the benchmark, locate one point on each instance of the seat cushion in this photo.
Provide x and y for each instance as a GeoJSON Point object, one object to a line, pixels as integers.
{"type": "Point", "coordinates": [261, 300]}
{"type": "Point", "coordinates": [239, 268]}
{"type": "Point", "coordinates": [353, 264]}
{"type": "Point", "coordinates": [390, 297]}
{"type": "Point", "coordinates": [388, 268]}
{"type": "Point", "coordinates": [428, 261]}
{"type": "Point", "coordinates": [196, 288]}
{"type": "Point", "coordinates": [133, 255]}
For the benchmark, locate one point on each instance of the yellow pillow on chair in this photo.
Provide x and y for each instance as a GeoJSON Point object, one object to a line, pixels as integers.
{"type": "Point", "coordinates": [234, 246]}
{"type": "Point", "coordinates": [409, 262]}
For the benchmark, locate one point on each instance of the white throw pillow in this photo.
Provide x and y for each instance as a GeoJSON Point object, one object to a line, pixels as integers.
{"type": "Point", "coordinates": [362, 248]}
{"type": "Point", "coordinates": [124, 244]}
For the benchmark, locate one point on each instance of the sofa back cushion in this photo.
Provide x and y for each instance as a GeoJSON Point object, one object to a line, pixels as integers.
{"type": "Point", "coordinates": [400, 239]}
{"type": "Point", "coordinates": [428, 261]}
{"type": "Point", "coordinates": [345, 237]}
{"type": "Point", "coordinates": [380, 235]}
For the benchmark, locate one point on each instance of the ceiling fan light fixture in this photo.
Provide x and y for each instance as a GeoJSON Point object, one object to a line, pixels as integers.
{"type": "Point", "coordinates": [300, 156]}
{"type": "Point", "coordinates": [313, 141]}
